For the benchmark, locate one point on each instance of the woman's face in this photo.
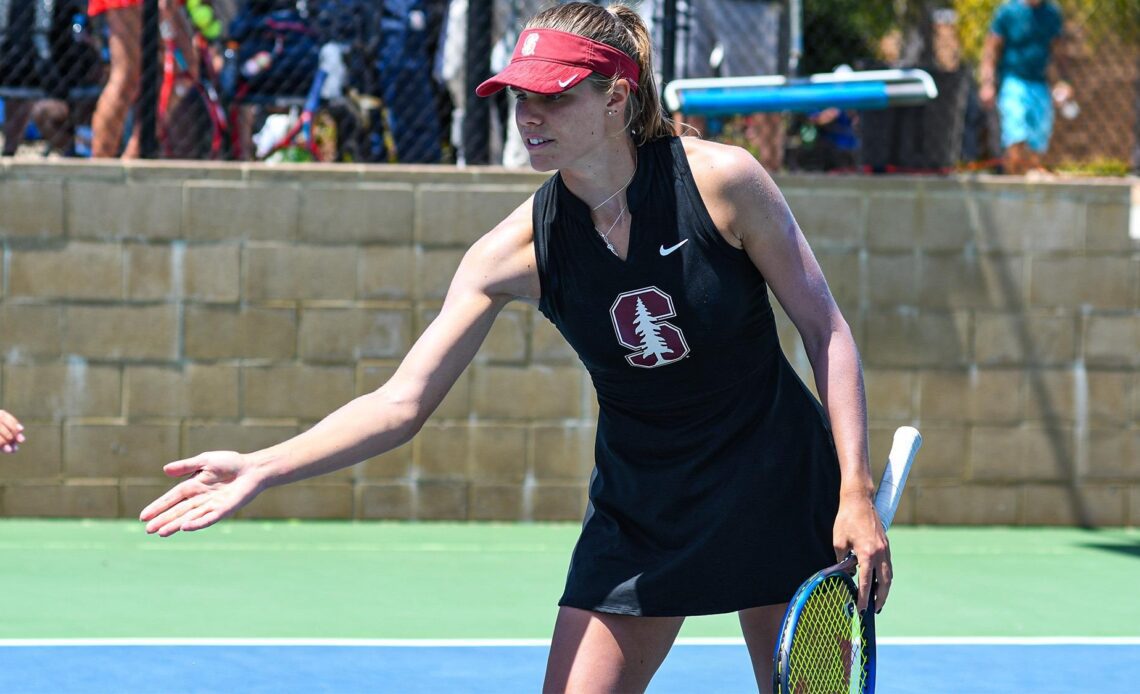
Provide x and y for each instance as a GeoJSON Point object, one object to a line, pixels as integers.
{"type": "Point", "coordinates": [559, 130]}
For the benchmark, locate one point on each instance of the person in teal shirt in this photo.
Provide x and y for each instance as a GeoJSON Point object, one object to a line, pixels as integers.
{"type": "Point", "coordinates": [1018, 55]}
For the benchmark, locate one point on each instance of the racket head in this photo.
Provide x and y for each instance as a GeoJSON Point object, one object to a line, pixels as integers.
{"type": "Point", "coordinates": [822, 646]}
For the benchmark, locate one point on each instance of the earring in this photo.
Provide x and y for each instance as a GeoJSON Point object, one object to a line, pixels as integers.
{"type": "Point", "coordinates": [610, 113]}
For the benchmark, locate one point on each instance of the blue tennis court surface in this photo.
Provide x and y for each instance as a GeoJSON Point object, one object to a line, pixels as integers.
{"type": "Point", "coordinates": [1106, 667]}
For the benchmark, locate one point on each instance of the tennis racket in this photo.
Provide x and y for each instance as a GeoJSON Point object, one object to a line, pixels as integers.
{"type": "Point", "coordinates": [825, 645]}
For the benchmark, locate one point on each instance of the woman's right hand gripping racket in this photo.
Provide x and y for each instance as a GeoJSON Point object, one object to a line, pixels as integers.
{"type": "Point", "coordinates": [826, 646]}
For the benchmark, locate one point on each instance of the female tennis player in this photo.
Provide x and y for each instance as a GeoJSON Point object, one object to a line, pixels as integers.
{"type": "Point", "coordinates": [11, 432]}
{"type": "Point", "coordinates": [720, 482]}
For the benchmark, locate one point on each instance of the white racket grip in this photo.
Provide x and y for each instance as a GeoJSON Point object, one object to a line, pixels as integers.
{"type": "Point", "coordinates": [906, 444]}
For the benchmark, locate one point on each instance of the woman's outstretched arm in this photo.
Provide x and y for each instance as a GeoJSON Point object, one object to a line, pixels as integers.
{"type": "Point", "coordinates": [498, 268]}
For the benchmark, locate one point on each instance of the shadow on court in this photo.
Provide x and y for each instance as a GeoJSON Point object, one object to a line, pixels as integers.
{"type": "Point", "coordinates": [1132, 551]}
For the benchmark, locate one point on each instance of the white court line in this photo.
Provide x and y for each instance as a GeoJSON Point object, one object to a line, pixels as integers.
{"type": "Point", "coordinates": [493, 643]}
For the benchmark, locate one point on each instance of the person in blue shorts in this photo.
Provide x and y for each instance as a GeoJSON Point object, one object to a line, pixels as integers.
{"type": "Point", "coordinates": [720, 481]}
{"type": "Point", "coordinates": [1018, 55]}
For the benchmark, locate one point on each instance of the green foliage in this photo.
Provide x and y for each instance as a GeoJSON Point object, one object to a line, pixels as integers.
{"type": "Point", "coordinates": [1098, 166]}
{"type": "Point", "coordinates": [1120, 18]}
{"type": "Point", "coordinates": [973, 24]}
{"type": "Point", "coordinates": [842, 31]}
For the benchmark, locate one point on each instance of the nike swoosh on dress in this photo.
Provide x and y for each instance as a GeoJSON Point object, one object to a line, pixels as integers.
{"type": "Point", "coordinates": [666, 251]}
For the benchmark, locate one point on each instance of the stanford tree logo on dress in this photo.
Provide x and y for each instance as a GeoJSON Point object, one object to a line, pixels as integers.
{"type": "Point", "coordinates": [639, 322]}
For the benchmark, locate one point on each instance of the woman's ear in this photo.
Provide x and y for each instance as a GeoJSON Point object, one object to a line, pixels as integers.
{"type": "Point", "coordinates": [619, 96]}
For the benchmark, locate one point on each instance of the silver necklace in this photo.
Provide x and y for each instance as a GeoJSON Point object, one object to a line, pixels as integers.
{"type": "Point", "coordinates": [616, 192]}
{"type": "Point", "coordinates": [606, 236]}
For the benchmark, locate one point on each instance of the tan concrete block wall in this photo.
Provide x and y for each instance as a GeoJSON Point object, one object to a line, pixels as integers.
{"type": "Point", "coordinates": [32, 208]}
{"type": "Point", "coordinates": [152, 310]}
{"type": "Point", "coordinates": [78, 270]}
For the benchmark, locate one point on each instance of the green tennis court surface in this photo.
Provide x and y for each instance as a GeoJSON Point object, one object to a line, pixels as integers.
{"type": "Point", "coordinates": [312, 580]}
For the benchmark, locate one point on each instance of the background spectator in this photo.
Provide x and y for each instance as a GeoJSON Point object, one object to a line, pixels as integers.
{"type": "Point", "coordinates": [124, 27]}
{"type": "Point", "coordinates": [1018, 54]}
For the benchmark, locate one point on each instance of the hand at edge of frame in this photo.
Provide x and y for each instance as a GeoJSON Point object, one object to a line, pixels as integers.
{"type": "Point", "coordinates": [11, 432]}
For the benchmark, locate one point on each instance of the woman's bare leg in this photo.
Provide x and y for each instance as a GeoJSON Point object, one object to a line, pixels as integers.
{"type": "Point", "coordinates": [598, 652]}
{"type": "Point", "coordinates": [122, 86]}
{"type": "Point", "coordinates": [761, 627]}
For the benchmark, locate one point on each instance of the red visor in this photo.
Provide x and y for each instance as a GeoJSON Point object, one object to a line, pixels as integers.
{"type": "Point", "coordinates": [547, 61]}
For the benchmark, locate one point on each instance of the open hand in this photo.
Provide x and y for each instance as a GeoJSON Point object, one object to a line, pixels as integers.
{"type": "Point", "coordinates": [220, 483]}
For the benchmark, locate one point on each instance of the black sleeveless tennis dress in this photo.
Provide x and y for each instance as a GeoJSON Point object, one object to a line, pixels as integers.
{"type": "Point", "coordinates": [716, 482]}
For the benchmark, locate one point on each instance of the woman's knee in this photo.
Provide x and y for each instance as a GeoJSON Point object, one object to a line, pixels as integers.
{"type": "Point", "coordinates": [599, 652]}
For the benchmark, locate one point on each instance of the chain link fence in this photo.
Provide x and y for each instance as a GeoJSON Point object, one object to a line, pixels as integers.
{"type": "Point", "coordinates": [393, 80]}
